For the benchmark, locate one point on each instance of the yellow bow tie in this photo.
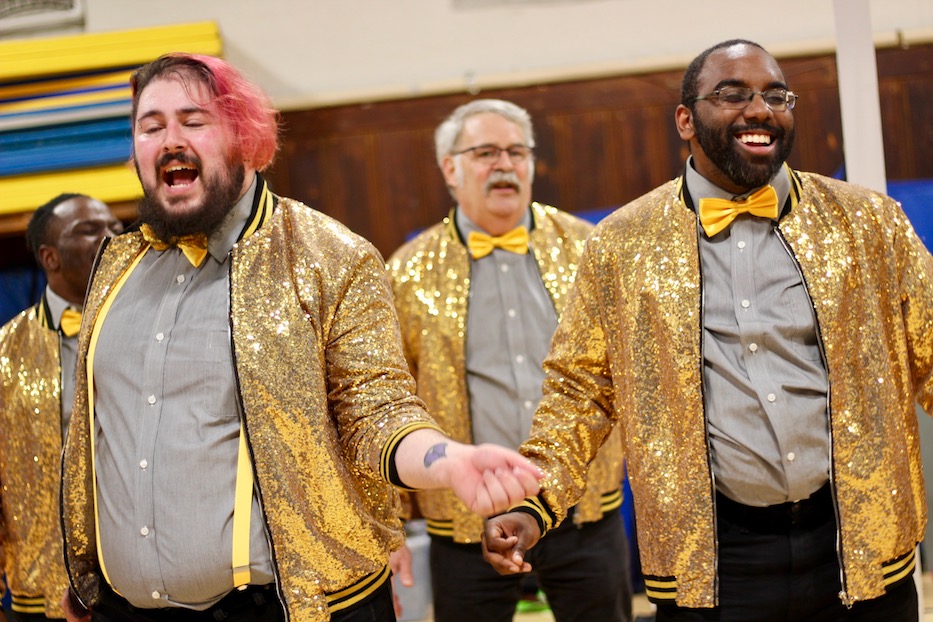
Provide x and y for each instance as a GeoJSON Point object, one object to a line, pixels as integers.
{"type": "Point", "coordinates": [515, 241]}
{"type": "Point", "coordinates": [717, 214]}
{"type": "Point", "coordinates": [194, 246]}
{"type": "Point", "coordinates": [70, 322]}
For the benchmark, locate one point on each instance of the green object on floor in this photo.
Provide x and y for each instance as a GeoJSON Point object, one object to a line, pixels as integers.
{"type": "Point", "coordinates": [539, 603]}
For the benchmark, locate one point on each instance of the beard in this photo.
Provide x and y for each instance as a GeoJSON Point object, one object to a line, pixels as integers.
{"type": "Point", "coordinates": [720, 148]}
{"type": "Point", "coordinates": [220, 193]}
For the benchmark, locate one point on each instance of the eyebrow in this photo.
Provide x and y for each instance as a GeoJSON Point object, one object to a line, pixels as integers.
{"type": "Point", "coordinates": [774, 84]}
{"type": "Point", "coordinates": [183, 112]}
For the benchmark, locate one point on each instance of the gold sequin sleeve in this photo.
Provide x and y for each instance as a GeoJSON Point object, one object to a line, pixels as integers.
{"type": "Point", "coordinates": [575, 416]}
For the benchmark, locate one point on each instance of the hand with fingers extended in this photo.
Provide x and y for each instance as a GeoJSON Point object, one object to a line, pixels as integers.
{"type": "Point", "coordinates": [506, 539]}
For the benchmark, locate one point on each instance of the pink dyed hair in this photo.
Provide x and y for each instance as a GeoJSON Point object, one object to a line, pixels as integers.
{"type": "Point", "coordinates": [242, 104]}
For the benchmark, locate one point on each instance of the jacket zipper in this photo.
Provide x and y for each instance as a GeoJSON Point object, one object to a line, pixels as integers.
{"type": "Point", "coordinates": [843, 592]}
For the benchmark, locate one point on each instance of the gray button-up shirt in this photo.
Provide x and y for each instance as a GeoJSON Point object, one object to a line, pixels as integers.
{"type": "Point", "coordinates": [167, 428]}
{"type": "Point", "coordinates": [764, 380]}
{"type": "Point", "coordinates": [510, 322]}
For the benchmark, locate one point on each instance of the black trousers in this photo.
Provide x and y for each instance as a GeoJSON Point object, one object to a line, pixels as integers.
{"type": "Point", "coordinates": [255, 604]}
{"type": "Point", "coordinates": [781, 565]}
{"type": "Point", "coordinates": [583, 571]}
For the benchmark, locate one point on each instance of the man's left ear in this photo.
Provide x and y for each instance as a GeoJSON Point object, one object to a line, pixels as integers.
{"type": "Point", "coordinates": [683, 119]}
{"type": "Point", "coordinates": [48, 257]}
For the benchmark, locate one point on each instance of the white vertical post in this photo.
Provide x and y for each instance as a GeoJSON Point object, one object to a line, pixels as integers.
{"type": "Point", "coordinates": [858, 95]}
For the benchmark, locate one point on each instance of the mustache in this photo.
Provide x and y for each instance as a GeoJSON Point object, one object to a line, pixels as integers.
{"type": "Point", "coordinates": [501, 177]}
{"type": "Point", "coordinates": [181, 157]}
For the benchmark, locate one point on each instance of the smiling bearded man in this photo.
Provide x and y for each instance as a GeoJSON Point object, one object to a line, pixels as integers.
{"type": "Point", "coordinates": [761, 336]}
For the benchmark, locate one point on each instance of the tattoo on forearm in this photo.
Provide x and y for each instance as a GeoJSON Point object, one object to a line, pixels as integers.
{"type": "Point", "coordinates": [434, 454]}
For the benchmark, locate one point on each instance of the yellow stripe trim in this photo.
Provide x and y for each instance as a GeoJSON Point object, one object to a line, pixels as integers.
{"type": "Point", "coordinates": [660, 595]}
{"type": "Point", "coordinates": [42, 313]}
{"type": "Point", "coordinates": [661, 589]}
{"type": "Point", "coordinates": [91, 352]}
{"type": "Point", "coordinates": [611, 500]}
{"type": "Point", "coordinates": [535, 505]}
{"type": "Point", "coordinates": [32, 58]}
{"type": "Point", "coordinates": [27, 601]}
{"type": "Point", "coordinates": [894, 578]}
{"type": "Point", "coordinates": [262, 214]}
{"type": "Point", "coordinates": [444, 528]}
{"type": "Point", "coordinates": [242, 512]}
{"type": "Point", "coordinates": [895, 571]}
{"type": "Point", "coordinates": [110, 184]}
{"type": "Point", "coordinates": [397, 438]}
{"type": "Point", "coordinates": [27, 604]}
{"type": "Point", "coordinates": [363, 588]}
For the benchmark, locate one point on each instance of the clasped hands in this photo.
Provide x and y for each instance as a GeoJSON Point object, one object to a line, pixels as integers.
{"type": "Point", "coordinates": [507, 538]}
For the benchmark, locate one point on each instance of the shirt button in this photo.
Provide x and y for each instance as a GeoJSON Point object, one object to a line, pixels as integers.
{"type": "Point", "coordinates": [144, 531]}
{"type": "Point", "coordinates": [520, 358]}
{"type": "Point", "coordinates": [151, 399]}
{"type": "Point", "coordinates": [512, 313]}
{"type": "Point", "coordinates": [156, 595]}
{"type": "Point", "coordinates": [180, 278]}
{"type": "Point", "coordinates": [529, 404]}
{"type": "Point", "coordinates": [790, 456]}
{"type": "Point", "coordinates": [745, 304]}
{"type": "Point", "coordinates": [504, 268]}
{"type": "Point", "coordinates": [160, 336]}
{"type": "Point", "coordinates": [753, 347]}
{"type": "Point", "coordinates": [771, 397]}
{"type": "Point", "coordinates": [143, 463]}
{"type": "Point", "coordinates": [741, 244]}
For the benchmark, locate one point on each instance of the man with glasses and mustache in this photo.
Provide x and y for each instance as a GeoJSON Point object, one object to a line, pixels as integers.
{"type": "Point", "coordinates": [479, 296]}
{"type": "Point", "coordinates": [243, 407]}
{"type": "Point", "coordinates": [761, 336]}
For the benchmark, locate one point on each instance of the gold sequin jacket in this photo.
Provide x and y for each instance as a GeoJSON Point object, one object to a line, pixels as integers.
{"type": "Point", "coordinates": [628, 352]}
{"type": "Point", "coordinates": [30, 458]}
{"type": "Point", "coordinates": [431, 279]}
{"type": "Point", "coordinates": [326, 396]}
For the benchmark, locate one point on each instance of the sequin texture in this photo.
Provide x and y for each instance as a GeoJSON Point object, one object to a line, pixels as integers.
{"type": "Point", "coordinates": [628, 353]}
{"type": "Point", "coordinates": [431, 280]}
{"type": "Point", "coordinates": [325, 389]}
{"type": "Point", "coordinates": [30, 451]}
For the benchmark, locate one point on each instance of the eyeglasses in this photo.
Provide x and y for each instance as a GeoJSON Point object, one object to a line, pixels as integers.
{"type": "Point", "coordinates": [489, 154]}
{"type": "Point", "coordinates": [739, 97]}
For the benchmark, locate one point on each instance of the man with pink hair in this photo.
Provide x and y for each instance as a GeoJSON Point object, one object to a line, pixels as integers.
{"type": "Point", "coordinates": [243, 408]}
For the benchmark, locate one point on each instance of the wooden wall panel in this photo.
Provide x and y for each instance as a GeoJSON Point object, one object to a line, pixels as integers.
{"type": "Point", "coordinates": [601, 143]}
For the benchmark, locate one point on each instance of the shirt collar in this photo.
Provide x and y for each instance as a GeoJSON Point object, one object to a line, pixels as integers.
{"type": "Point", "coordinates": [57, 305]}
{"type": "Point", "coordinates": [465, 226]}
{"type": "Point", "coordinates": [222, 240]}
